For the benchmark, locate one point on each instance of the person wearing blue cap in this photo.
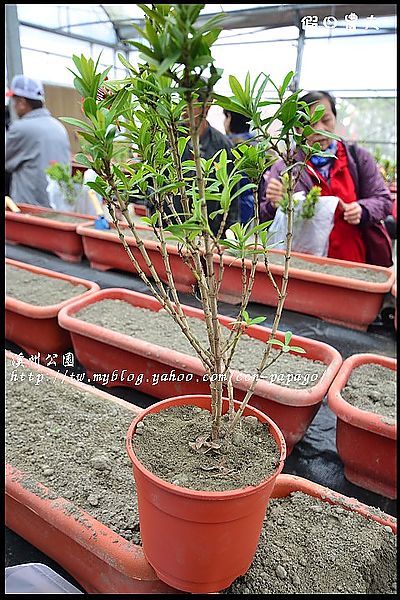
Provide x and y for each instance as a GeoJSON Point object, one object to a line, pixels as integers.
{"type": "Point", "coordinates": [32, 141]}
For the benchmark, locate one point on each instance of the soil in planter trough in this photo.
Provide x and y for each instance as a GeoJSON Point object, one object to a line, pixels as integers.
{"type": "Point", "coordinates": [76, 447]}
{"type": "Point", "coordinates": [58, 217]}
{"type": "Point", "coordinates": [74, 443]}
{"type": "Point", "coordinates": [372, 387]}
{"type": "Point", "coordinates": [38, 289]}
{"type": "Point", "coordinates": [308, 546]}
{"type": "Point", "coordinates": [159, 328]}
{"type": "Point", "coordinates": [361, 273]}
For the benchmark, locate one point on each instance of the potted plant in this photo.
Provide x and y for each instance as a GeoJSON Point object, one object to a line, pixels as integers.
{"type": "Point", "coordinates": [388, 168]}
{"type": "Point", "coordinates": [366, 431]}
{"type": "Point", "coordinates": [159, 108]}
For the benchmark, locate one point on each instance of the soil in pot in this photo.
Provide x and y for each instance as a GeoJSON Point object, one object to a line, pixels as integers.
{"type": "Point", "coordinates": [372, 387]}
{"type": "Point", "coordinates": [58, 217]}
{"type": "Point", "coordinates": [361, 273]}
{"type": "Point", "coordinates": [38, 289]}
{"type": "Point", "coordinates": [76, 447]}
{"type": "Point", "coordinates": [166, 444]}
{"type": "Point", "coordinates": [159, 328]}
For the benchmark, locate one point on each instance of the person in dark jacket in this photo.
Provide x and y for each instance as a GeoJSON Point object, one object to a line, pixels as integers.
{"type": "Point", "coordinates": [358, 233]}
{"type": "Point", "coordinates": [211, 141]}
{"type": "Point", "coordinates": [237, 129]}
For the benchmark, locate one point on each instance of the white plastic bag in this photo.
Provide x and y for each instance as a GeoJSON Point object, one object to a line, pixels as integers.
{"type": "Point", "coordinates": [36, 578]}
{"type": "Point", "coordinates": [58, 198]}
{"type": "Point", "coordinates": [310, 236]}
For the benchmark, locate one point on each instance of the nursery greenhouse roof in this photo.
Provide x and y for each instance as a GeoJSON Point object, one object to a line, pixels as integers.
{"type": "Point", "coordinates": [348, 49]}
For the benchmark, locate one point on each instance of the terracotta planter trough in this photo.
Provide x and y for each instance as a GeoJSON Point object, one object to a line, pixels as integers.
{"type": "Point", "coordinates": [99, 559]}
{"type": "Point", "coordinates": [36, 328]}
{"type": "Point", "coordinates": [353, 303]}
{"type": "Point", "coordinates": [366, 442]}
{"type": "Point", "coordinates": [105, 251]}
{"type": "Point", "coordinates": [36, 231]}
{"type": "Point", "coordinates": [117, 359]}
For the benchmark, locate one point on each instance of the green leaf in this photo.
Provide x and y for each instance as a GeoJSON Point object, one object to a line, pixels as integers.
{"type": "Point", "coordinates": [83, 160]}
{"type": "Point", "coordinates": [276, 342]}
{"type": "Point", "coordinates": [182, 143]}
{"type": "Point", "coordinates": [167, 63]}
{"type": "Point", "coordinates": [288, 111]}
{"type": "Point", "coordinates": [286, 82]}
{"type": "Point", "coordinates": [89, 106]}
{"type": "Point", "coordinates": [297, 349]}
{"type": "Point", "coordinates": [238, 90]}
{"type": "Point", "coordinates": [97, 187]}
{"type": "Point", "coordinates": [257, 320]}
{"type": "Point", "coordinates": [319, 111]}
{"type": "Point", "coordinates": [288, 337]}
{"type": "Point", "coordinates": [77, 123]}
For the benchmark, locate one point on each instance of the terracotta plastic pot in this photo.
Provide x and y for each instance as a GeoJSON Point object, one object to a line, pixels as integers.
{"type": "Point", "coordinates": [105, 251]}
{"type": "Point", "coordinates": [36, 328]}
{"type": "Point", "coordinates": [99, 559]}
{"type": "Point", "coordinates": [188, 536]}
{"type": "Point", "coordinates": [163, 372]}
{"type": "Point", "coordinates": [366, 442]}
{"type": "Point", "coordinates": [342, 300]}
{"type": "Point", "coordinates": [46, 234]}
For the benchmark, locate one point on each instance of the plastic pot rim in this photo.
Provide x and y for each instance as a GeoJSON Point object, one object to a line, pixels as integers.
{"type": "Point", "coordinates": [168, 356]}
{"type": "Point", "coordinates": [200, 494]}
{"type": "Point", "coordinates": [323, 278]}
{"type": "Point", "coordinates": [45, 222]}
{"type": "Point", "coordinates": [351, 414]}
{"type": "Point", "coordinates": [86, 230]}
{"type": "Point", "coordinates": [51, 310]}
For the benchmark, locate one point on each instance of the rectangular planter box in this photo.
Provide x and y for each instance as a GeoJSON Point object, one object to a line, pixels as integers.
{"type": "Point", "coordinates": [44, 233]}
{"type": "Point", "coordinates": [103, 351]}
{"type": "Point", "coordinates": [105, 251]}
{"type": "Point", "coordinates": [100, 560]}
{"type": "Point", "coordinates": [366, 442]}
{"type": "Point", "coordinates": [36, 328]}
{"type": "Point", "coordinates": [342, 300]}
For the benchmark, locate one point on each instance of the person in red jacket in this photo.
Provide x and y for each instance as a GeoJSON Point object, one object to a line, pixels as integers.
{"type": "Point", "coordinates": [352, 175]}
